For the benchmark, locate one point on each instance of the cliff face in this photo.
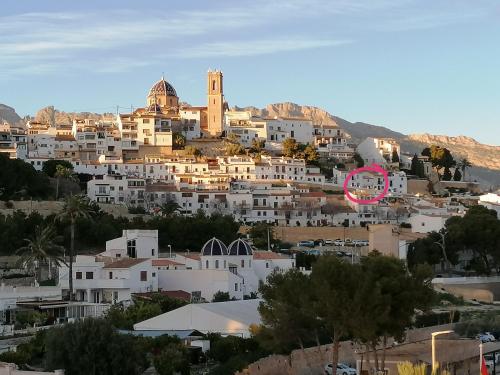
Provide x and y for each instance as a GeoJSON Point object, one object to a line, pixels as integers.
{"type": "Point", "coordinates": [9, 115]}
{"type": "Point", "coordinates": [477, 153]}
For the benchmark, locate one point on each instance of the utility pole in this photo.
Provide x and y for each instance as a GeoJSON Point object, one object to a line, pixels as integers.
{"type": "Point", "coordinates": [268, 240]}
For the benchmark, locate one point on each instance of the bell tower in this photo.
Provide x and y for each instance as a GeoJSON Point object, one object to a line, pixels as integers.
{"type": "Point", "coordinates": [215, 107]}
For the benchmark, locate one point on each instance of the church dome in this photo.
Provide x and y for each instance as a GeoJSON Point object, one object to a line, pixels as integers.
{"type": "Point", "coordinates": [214, 247]}
{"type": "Point", "coordinates": [162, 87]}
{"type": "Point", "coordinates": [239, 247]}
{"type": "Point", "coordinates": [154, 108]}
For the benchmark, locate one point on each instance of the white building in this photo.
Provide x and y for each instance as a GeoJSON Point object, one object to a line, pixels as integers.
{"type": "Point", "coordinates": [112, 276]}
{"type": "Point", "coordinates": [378, 150]}
{"type": "Point", "coordinates": [398, 182]}
{"type": "Point", "coordinates": [233, 318]}
{"type": "Point", "coordinates": [426, 223]}
{"type": "Point", "coordinates": [491, 201]}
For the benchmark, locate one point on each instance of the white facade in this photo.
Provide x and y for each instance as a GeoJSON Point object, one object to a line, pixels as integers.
{"type": "Point", "coordinates": [378, 150]}
{"type": "Point", "coordinates": [426, 223]}
{"type": "Point", "coordinates": [491, 201]}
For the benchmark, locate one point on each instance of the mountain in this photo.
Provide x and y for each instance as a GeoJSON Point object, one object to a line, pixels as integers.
{"type": "Point", "coordinates": [9, 115]}
{"type": "Point", "coordinates": [484, 158]}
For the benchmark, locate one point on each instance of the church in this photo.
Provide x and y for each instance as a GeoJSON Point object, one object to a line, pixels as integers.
{"type": "Point", "coordinates": [149, 130]}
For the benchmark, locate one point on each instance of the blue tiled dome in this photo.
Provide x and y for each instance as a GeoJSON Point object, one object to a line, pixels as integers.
{"type": "Point", "coordinates": [239, 247]}
{"type": "Point", "coordinates": [214, 247]}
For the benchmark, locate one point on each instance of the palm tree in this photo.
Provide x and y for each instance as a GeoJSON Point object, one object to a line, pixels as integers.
{"type": "Point", "coordinates": [169, 208]}
{"type": "Point", "coordinates": [41, 248]}
{"type": "Point", "coordinates": [62, 172]}
{"type": "Point", "coordinates": [463, 164]}
{"type": "Point", "coordinates": [75, 206]}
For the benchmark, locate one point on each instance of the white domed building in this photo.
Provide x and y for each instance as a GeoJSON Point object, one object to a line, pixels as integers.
{"type": "Point", "coordinates": [235, 269]}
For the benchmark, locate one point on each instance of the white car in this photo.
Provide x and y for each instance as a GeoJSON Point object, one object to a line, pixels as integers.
{"type": "Point", "coordinates": [329, 242]}
{"type": "Point", "coordinates": [338, 243]}
{"type": "Point", "coordinates": [342, 369]}
{"type": "Point", "coordinates": [486, 337]}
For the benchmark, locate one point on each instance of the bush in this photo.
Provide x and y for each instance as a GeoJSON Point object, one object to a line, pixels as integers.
{"type": "Point", "coordinates": [138, 210]}
{"type": "Point", "coordinates": [221, 297]}
{"type": "Point", "coordinates": [9, 204]}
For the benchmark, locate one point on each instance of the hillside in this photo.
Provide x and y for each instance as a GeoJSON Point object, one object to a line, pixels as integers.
{"type": "Point", "coordinates": [485, 158]}
{"type": "Point", "coordinates": [9, 115]}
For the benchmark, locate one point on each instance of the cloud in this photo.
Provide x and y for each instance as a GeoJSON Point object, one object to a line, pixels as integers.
{"type": "Point", "coordinates": [255, 47]}
{"type": "Point", "coordinates": [87, 40]}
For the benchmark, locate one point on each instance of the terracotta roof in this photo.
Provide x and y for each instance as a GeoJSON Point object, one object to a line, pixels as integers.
{"type": "Point", "coordinates": [313, 194]}
{"type": "Point", "coordinates": [267, 255]}
{"type": "Point", "coordinates": [125, 263]}
{"type": "Point", "coordinates": [192, 256]}
{"type": "Point", "coordinates": [165, 262]}
{"type": "Point", "coordinates": [178, 294]}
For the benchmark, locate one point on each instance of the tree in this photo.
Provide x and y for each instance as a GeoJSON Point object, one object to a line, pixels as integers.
{"type": "Point", "coordinates": [49, 167]}
{"type": "Point", "coordinates": [221, 297]}
{"type": "Point", "coordinates": [479, 231]}
{"type": "Point", "coordinates": [173, 359]}
{"type": "Point", "coordinates": [65, 173]}
{"type": "Point", "coordinates": [457, 176]}
{"type": "Point", "coordinates": [286, 312]}
{"type": "Point", "coordinates": [262, 235]}
{"type": "Point", "coordinates": [395, 156]}
{"type": "Point", "coordinates": [257, 145]}
{"type": "Point", "coordinates": [75, 207]}
{"type": "Point", "coordinates": [191, 150]}
{"type": "Point", "coordinates": [125, 318]}
{"type": "Point", "coordinates": [19, 179]}
{"type": "Point", "coordinates": [440, 158]}
{"type": "Point", "coordinates": [447, 174]}
{"type": "Point", "coordinates": [179, 140]}
{"type": "Point", "coordinates": [464, 164]}
{"type": "Point", "coordinates": [358, 160]}
{"type": "Point", "coordinates": [310, 155]}
{"type": "Point", "coordinates": [290, 147]}
{"type": "Point", "coordinates": [169, 208]}
{"type": "Point", "coordinates": [93, 347]}
{"type": "Point", "coordinates": [231, 149]}
{"type": "Point", "coordinates": [432, 250]}
{"type": "Point", "coordinates": [39, 249]}
{"type": "Point", "coordinates": [335, 283]}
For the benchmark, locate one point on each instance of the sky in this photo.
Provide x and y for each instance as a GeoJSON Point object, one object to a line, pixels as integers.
{"type": "Point", "coordinates": [414, 66]}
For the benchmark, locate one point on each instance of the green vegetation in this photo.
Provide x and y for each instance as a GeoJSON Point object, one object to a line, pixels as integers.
{"type": "Point", "coordinates": [142, 309]}
{"type": "Point", "coordinates": [191, 150]}
{"type": "Point", "coordinates": [20, 180]}
{"type": "Point", "coordinates": [417, 167]}
{"type": "Point", "coordinates": [50, 166]}
{"type": "Point", "coordinates": [179, 140]}
{"type": "Point", "coordinates": [478, 230]}
{"type": "Point", "coordinates": [221, 297]}
{"type": "Point", "coordinates": [482, 322]}
{"type": "Point", "coordinates": [440, 158]}
{"type": "Point", "coordinates": [293, 149]}
{"type": "Point", "coordinates": [366, 302]}
{"type": "Point", "coordinates": [358, 160]}
{"type": "Point", "coordinates": [91, 232]}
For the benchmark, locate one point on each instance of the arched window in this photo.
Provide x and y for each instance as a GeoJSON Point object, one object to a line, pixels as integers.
{"type": "Point", "coordinates": [243, 263]}
{"type": "Point", "coordinates": [224, 264]}
{"type": "Point", "coordinates": [217, 263]}
{"type": "Point", "coordinates": [206, 264]}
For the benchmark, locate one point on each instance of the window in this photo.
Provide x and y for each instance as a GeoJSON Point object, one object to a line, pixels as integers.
{"type": "Point", "coordinates": [216, 263]}
{"type": "Point", "coordinates": [131, 250]}
{"type": "Point", "coordinates": [154, 273]}
{"type": "Point", "coordinates": [115, 296]}
{"type": "Point", "coordinates": [78, 275]}
{"type": "Point", "coordinates": [243, 263]}
{"type": "Point", "coordinates": [152, 252]}
{"type": "Point", "coordinates": [206, 264]}
{"type": "Point", "coordinates": [235, 287]}
{"type": "Point", "coordinates": [144, 275]}
{"type": "Point", "coordinates": [89, 275]}
{"type": "Point", "coordinates": [110, 275]}
{"type": "Point", "coordinates": [267, 265]}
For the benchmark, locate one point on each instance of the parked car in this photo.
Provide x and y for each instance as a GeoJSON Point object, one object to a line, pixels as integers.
{"type": "Point", "coordinates": [340, 253]}
{"type": "Point", "coordinates": [305, 244]}
{"type": "Point", "coordinates": [329, 242]}
{"type": "Point", "coordinates": [319, 242]}
{"type": "Point", "coordinates": [486, 337]}
{"type": "Point", "coordinates": [342, 369]}
{"type": "Point", "coordinates": [338, 242]}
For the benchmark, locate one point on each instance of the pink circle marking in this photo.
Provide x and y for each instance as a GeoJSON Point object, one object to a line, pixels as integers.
{"type": "Point", "coordinates": [371, 168]}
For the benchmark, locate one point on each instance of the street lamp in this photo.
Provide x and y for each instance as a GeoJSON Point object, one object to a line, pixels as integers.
{"type": "Point", "coordinates": [170, 251]}
{"type": "Point", "coordinates": [433, 345]}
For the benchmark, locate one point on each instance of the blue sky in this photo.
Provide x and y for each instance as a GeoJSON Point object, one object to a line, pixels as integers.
{"type": "Point", "coordinates": [412, 65]}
